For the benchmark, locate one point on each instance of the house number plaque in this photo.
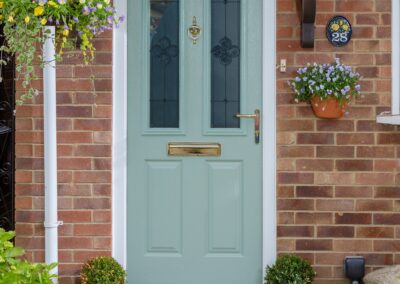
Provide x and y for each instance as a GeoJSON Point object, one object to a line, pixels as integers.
{"type": "Point", "coordinates": [339, 31]}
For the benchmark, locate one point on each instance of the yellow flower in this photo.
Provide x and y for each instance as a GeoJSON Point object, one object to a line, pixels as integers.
{"type": "Point", "coordinates": [27, 19]}
{"type": "Point", "coordinates": [11, 19]}
{"type": "Point", "coordinates": [66, 32]}
{"type": "Point", "coordinates": [38, 11]}
{"type": "Point", "coordinates": [52, 3]}
{"type": "Point", "coordinates": [1, 17]}
{"type": "Point", "coordinates": [107, 2]}
{"type": "Point", "coordinates": [1, 5]}
{"type": "Point", "coordinates": [43, 21]}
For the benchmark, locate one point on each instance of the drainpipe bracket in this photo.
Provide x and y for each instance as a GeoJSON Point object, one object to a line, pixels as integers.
{"type": "Point", "coordinates": [53, 225]}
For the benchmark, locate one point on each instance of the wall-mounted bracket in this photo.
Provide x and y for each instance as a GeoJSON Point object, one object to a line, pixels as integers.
{"type": "Point", "coordinates": [308, 12]}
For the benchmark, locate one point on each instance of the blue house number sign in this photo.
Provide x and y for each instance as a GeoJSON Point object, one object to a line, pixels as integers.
{"type": "Point", "coordinates": [339, 31]}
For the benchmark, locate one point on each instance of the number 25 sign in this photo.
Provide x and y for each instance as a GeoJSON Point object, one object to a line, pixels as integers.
{"type": "Point", "coordinates": [339, 31]}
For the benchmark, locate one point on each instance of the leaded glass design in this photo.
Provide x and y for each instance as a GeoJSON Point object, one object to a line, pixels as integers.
{"type": "Point", "coordinates": [225, 63]}
{"type": "Point", "coordinates": [164, 64]}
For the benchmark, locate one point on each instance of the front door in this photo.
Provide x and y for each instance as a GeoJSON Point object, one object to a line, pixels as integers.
{"type": "Point", "coordinates": [194, 166]}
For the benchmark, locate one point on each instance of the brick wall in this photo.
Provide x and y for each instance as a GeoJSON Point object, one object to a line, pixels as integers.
{"type": "Point", "coordinates": [339, 180]}
{"type": "Point", "coordinates": [84, 176]}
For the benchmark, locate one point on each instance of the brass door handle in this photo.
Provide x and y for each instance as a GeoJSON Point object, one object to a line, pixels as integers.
{"type": "Point", "coordinates": [256, 117]}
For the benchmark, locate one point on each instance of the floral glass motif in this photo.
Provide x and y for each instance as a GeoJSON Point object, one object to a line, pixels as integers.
{"type": "Point", "coordinates": [164, 50]}
{"type": "Point", "coordinates": [226, 51]}
{"type": "Point", "coordinates": [164, 63]}
{"type": "Point", "coordinates": [225, 63]}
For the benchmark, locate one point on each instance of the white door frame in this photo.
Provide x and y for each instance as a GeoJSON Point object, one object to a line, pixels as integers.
{"type": "Point", "coordinates": [119, 156]}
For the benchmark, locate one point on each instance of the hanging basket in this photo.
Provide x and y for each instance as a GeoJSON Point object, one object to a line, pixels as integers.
{"type": "Point", "coordinates": [328, 108]}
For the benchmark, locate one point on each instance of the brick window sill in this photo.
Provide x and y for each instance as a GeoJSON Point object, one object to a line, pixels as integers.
{"type": "Point", "coordinates": [388, 118]}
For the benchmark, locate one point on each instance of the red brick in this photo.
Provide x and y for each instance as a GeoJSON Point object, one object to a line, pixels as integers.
{"type": "Point", "coordinates": [92, 229]}
{"type": "Point", "coordinates": [355, 139]}
{"type": "Point", "coordinates": [375, 178]}
{"type": "Point", "coordinates": [335, 151]}
{"type": "Point", "coordinates": [335, 125]}
{"type": "Point", "coordinates": [295, 125]}
{"type": "Point", "coordinates": [375, 152]}
{"type": "Point", "coordinates": [353, 218]}
{"type": "Point", "coordinates": [387, 219]}
{"type": "Point", "coordinates": [374, 205]}
{"type": "Point", "coordinates": [295, 231]}
{"type": "Point", "coordinates": [334, 205]}
{"type": "Point", "coordinates": [295, 204]}
{"type": "Point", "coordinates": [352, 245]}
{"type": "Point", "coordinates": [295, 151]}
{"type": "Point", "coordinates": [354, 165]}
{"type": "Point", "coordinates": [353, 191]}
{"type": "Point", "coordinates": [314, 191]}
{"type": "Point", "coordinates": [313, 138]}
{"type": "Point", "coordinates": [92, 124]}
{"type": "Point", "coordinates": [314, 165]}
{"type": "Point", "coordinates": [374, 232]}
{"type": "Point", "coordinates": [387, 192]}
{"type": "Point", "coordinates": [314, 218]}
{"type": "Point", "coordinates": [92, 203]}
{"type": "Point", "coordinates": [297, 178]}
{"type": "Point", "coordinates": [335, 232]}
{"type": "Point", "coordinates": [314, 245]}
{"type": "Point", "coordinates": [387, 245]}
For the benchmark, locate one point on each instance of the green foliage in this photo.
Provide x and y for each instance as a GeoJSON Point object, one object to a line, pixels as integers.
{"type": "Point", "coordinates": [289, 269]}
{"type": "Point", "coordinates": [326, 80]}
{"type": "Point", "coordinates": [101, 270]}
{"type": "Point", "coordinates": [17, 271]}
{"type": "Point", "coordinates": [75, 21]}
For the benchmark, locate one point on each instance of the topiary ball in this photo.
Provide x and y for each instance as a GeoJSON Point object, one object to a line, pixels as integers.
{"type": "Point", "coordinates": [102, 270]}
{"type": "Point", "coordinates": [289, 269]}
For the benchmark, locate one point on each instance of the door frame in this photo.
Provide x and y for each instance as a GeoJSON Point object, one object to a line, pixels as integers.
{"type": "Point", "coordinates": [119, 136]}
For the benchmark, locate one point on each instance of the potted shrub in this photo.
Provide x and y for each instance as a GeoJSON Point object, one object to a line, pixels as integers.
{"type": "Point", "coordinates": [289, 269]}
{"type": "Point", "coordinates": [15, 270]}
{"type": "Point", "coordinates": [77, 22]}
{"type": "Point", "coordinates": [102, 269]}
{"type": "Point", "coordinates": [328, 87]}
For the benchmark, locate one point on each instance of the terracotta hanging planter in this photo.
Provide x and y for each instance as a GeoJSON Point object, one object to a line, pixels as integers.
{"type": "Point", "coordinates": [329, 108]}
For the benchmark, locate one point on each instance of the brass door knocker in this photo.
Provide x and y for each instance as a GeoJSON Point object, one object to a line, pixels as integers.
{"type": "Point", "coordinates": [194, 31]}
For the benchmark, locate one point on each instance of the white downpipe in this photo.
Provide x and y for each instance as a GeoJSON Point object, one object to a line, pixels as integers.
{"type": "Point", "coordinates": [395, 57]}
{"type": "Point", "coordinates": [50, 149]}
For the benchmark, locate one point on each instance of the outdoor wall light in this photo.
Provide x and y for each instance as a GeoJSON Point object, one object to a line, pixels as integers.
{"type": "Point", "coordinates": [354, 268]}
{"type": "Point", "coordinates": [308, 11]}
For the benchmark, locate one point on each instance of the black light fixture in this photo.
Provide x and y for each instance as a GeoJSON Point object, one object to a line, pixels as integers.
{"type": "Point", "coordinates": [354, 268]}
{"type": "Point", "coordinates": [308, 12]}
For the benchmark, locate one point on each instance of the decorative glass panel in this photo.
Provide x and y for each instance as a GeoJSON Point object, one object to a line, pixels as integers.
{"type": "Point", "coordinates": [164, 64]}
{"type": "Point", "coordinates": [225, 63]}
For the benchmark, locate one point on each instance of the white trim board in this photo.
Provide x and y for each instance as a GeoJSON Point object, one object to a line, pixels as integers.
{"type": "Point", "coordinates": [119, 170]}
{"type": "Point", "coordinates": [393, 117]}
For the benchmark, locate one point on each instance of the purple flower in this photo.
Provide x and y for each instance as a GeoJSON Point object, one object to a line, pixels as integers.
{"type": "Point", "coordinates": [358, 88]}
{"type": "Point", "coordinates": [329, 92]}
{"type": "Point", "coordinates": [297, 79]}
{"type": "Point", "coordinates": [76, 20]}
{"type": "Point", "coordinates": [85, 10]}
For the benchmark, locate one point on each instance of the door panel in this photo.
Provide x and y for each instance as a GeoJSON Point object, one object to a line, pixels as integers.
{"type": "Point", "coordinates": [194, 219]}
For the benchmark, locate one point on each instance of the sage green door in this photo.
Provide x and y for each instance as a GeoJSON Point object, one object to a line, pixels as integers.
{"type": "Point", "coordinates": [194, 214]}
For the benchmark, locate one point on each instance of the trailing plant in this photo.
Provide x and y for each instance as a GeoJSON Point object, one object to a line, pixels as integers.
{"type": "Point", "coordinates": [102, 269]}
{"type": "Point", "coordinates": [334, 80]}
{"type": "Point", "coordinates": [77, 23]}
{"type": "Point", "coordinates": [289, 269]}
{"type": "Point", "coordinates": [18, 271]}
